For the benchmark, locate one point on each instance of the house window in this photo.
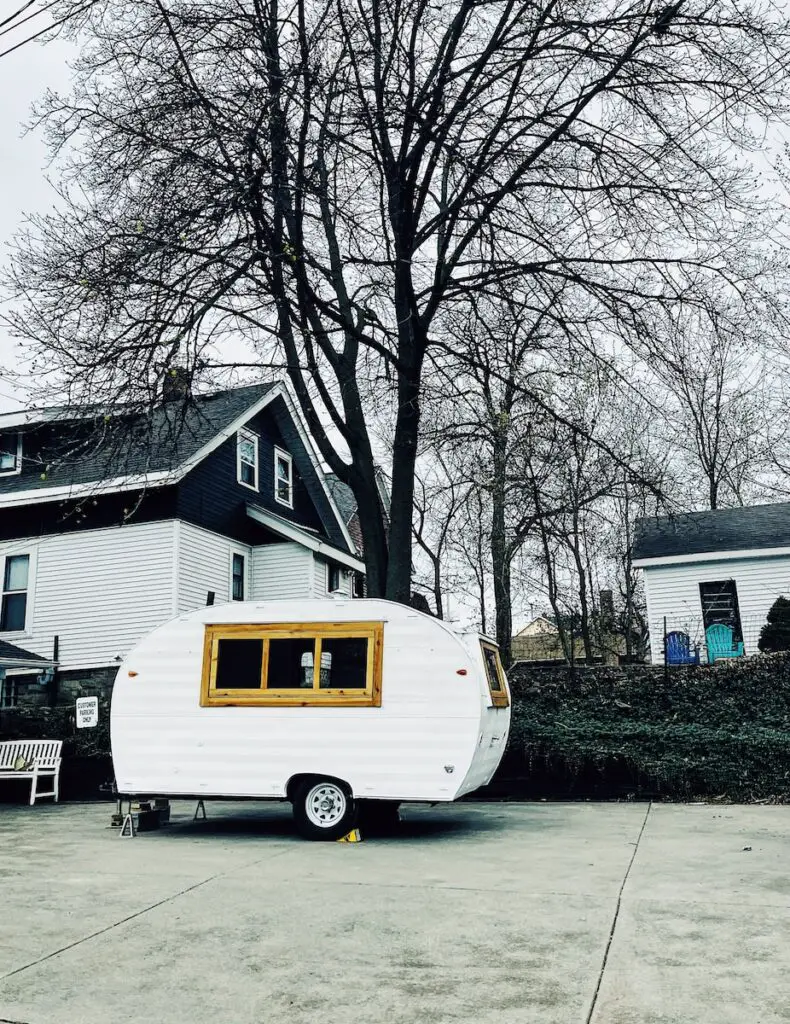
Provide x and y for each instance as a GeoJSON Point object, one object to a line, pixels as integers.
{"type": "Point", "coordinates": [14, 606]}
{"type": "Point", "coordinates": [495, 675]}
{"type": "Point", "coordinates": [358, 584]}
{"type": "Point", "coordinates": [10, 453]}
{"type": "Point", "coordinates": [283, 478]}
{"type": "Point", "coordinates": [334, 578]}
{"type": "Point", "coordinates": [9, 693]}
{"type": "Point", "coordinates": [247, 459]}
{"type": "Point", "coordinates": [293, 664]}
{"type": "Point", "coordinates": [237, 574]}
{"type": "Point", "coordinates": [720, 605]}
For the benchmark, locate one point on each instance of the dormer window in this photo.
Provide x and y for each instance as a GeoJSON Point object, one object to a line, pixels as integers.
{"type": "Point", "coordinates": [10, 453]}
{"type": "Point", "coordinates": [247, 459]}
{"type": "Point", "coordinates": [283, 478]}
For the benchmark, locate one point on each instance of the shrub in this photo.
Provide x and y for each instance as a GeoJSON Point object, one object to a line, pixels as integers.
{"type": "Point", "coordinates": [775, 634]}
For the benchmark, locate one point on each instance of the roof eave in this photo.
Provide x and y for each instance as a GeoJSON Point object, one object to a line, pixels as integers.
{"type": "Point", "coordinates": [710, 556]}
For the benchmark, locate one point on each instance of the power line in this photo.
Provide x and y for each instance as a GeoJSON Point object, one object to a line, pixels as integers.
{"type": "Point", "coordinates": [48, 28]}
{"type": "Point", "coordinates": [16, 14]}
{"type": "Point", "coordinates": [35, 14]}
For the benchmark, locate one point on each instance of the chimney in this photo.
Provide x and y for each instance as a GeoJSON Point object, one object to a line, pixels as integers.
{"type": "Point", "coordinates": [177, 383]}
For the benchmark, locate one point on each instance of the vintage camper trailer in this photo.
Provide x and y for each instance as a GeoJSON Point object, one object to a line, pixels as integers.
{"type": "Point", "coordinates": [329, 704]}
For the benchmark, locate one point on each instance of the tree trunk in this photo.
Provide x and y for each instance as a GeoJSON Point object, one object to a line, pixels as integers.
{"type": "Point", "coordinates": [404, 458]}
{"type": "Point", "coordinates": [584, 617]}
{"type": "Point", "coordinates": [500, 555]}
{"type": "Point", "coordinates": [627, 557]}
{"type": "Point", "coordinates": [371, 523]}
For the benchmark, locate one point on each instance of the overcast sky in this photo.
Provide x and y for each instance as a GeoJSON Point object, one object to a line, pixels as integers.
{"type": "Point", "coordinates": [24, 75]}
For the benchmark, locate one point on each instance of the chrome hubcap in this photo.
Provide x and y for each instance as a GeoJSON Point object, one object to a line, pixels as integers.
{"type": "Point", "coordinates": [326, 804]}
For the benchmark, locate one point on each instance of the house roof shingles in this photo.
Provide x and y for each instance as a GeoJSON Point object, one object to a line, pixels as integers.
{"type": "Point", "coordinates": [129, 443]}
{"type": "Point", "coordinates": [12, 653]}
{"type": "Point", "coordinates": [731, 529]}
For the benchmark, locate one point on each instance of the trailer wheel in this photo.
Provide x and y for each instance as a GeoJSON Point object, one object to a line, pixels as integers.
{"type": "Point", "coordinates": [324, 809]}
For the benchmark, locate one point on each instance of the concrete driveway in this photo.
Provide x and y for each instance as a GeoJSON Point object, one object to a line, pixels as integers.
{"type": "Point", "coordinates": [482, 913]}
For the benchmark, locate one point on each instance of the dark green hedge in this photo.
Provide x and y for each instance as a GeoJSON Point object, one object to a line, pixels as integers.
{"type": "Point", "coordinates": [58, 723]}
{"type": "Point", "coordinates": [721, 731]}
{"type": "Point", "coordinates": [711, 731]}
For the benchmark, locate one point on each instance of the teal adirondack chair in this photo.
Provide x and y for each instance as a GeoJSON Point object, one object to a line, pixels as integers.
{"type": "Point", "coordinates": [719, 641]}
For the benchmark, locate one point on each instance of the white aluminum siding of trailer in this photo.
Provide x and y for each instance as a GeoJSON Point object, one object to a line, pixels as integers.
{"type": "Point", "coordinates": [435, 736]}
{"type": "Point", "coordinates": [98, 591]}
{"type": "Point", "coordinates": [673, 591]}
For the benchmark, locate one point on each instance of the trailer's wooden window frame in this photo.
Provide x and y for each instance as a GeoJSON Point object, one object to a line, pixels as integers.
{"type": "Point", "coordinates": [499, 697]}
{"type": "Point", "coordinates": [316, 696]}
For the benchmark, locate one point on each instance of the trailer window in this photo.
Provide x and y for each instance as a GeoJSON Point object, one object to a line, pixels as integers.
{"type": "Point", "coordinates": [239, 664]}
{"type": "Point", "coordinates": [293, 664]}
{"type": "Point", "coordinates": [344, 662]}
{"type": "Point", "coordinates": [495, 675]}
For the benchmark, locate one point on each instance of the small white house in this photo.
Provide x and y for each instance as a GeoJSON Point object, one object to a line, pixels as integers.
{"type": "Point", "coordinates": [113, 522]}
{"type": "Point", "coordinates": [725, 566]}
{"type": "Point", "coordinates": [326, 704]}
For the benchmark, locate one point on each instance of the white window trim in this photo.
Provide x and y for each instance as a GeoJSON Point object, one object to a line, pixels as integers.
{"type": "Point", "coordinates": [341, 578]}
{"type": "Point", "coordinates": [30, 606]}
{"type": "Point", "coordinates": [18, 467]}
{"type": "Point", "coordinates": [247, 435]}
{"type": "Point", "coordinates": [246, 577]}
{"type": "Point", "coordinates": [286, 456]}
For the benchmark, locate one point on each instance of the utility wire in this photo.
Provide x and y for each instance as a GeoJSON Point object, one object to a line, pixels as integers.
{"type": "Point", "coordinates": [48, 28]}
{"type": "Point", "coordinates": [35, 14]}
{"type": "Point", "coordinates": [16, 14]}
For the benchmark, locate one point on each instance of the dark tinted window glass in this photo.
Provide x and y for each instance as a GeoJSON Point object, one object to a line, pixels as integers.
{"type": "Point", "coordinates": [239, 664]}
{"type": "Point", "coordinates": [492, 670]}
{"type": "Point", "coordinates": [291, 664]}
{"type": "Point", "coordinates": [344, 663]}
{"type": "Point", "coordinates": [13, 614]}
{"type": "Point", "coordinates": [238, 578]}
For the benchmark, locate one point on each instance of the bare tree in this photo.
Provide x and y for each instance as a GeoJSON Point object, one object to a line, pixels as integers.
{"type": "Point", "coordinates": [440, 496]}
{"type": "Point", "coordinates": [712, 372]}
{"type": "Point", "coordinates": [323, 177]}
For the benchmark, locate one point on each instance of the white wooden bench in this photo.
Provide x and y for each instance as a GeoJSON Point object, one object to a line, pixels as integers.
{"type": "Point", "coordinates": [32, 759]}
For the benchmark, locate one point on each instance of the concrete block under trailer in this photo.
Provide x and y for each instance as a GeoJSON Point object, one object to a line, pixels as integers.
{"type": "Point", "coordinates": [332, 705]}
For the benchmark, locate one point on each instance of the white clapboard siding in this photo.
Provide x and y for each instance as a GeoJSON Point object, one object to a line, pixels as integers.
{"type": "Point", "coordinates": [98, 591]}
{"type": "Point", "coordinates": [204, 564]}
{"type": "Point", "coordinates": [281, 571]}
{"type": "Point", "coordinates": [321, 581]}
{"type": "Point", "coordinates": [673, 591]}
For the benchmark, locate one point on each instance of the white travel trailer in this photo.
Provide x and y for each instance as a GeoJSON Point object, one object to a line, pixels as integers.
{"type": "Point", "coordinates": [329, 704]}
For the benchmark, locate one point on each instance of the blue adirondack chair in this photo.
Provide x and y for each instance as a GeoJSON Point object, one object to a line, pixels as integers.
{"type": "Point", "coordinates": [678, 649]}
{"type": "Point", "coordinates": [720, 644]}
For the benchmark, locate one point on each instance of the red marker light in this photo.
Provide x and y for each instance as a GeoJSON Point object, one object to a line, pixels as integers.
{"type": "Point", "coordinates": [460, 672]}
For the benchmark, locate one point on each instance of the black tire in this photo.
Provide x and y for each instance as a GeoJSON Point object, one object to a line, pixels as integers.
{"type": "Point", "coordinates": [324, 809]}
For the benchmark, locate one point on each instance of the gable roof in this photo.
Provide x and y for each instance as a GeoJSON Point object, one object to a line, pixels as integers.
{"type": "Point", "coordinates": [728, 529]}
{"type": "Point", "coordinates": [121, 450]}
{"type": "Point", "coordinates": [98, 444]}
{"type": "Point", "coordinates": [343, 497]}
{"type": "Point", "coordinates": [541, 625]}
